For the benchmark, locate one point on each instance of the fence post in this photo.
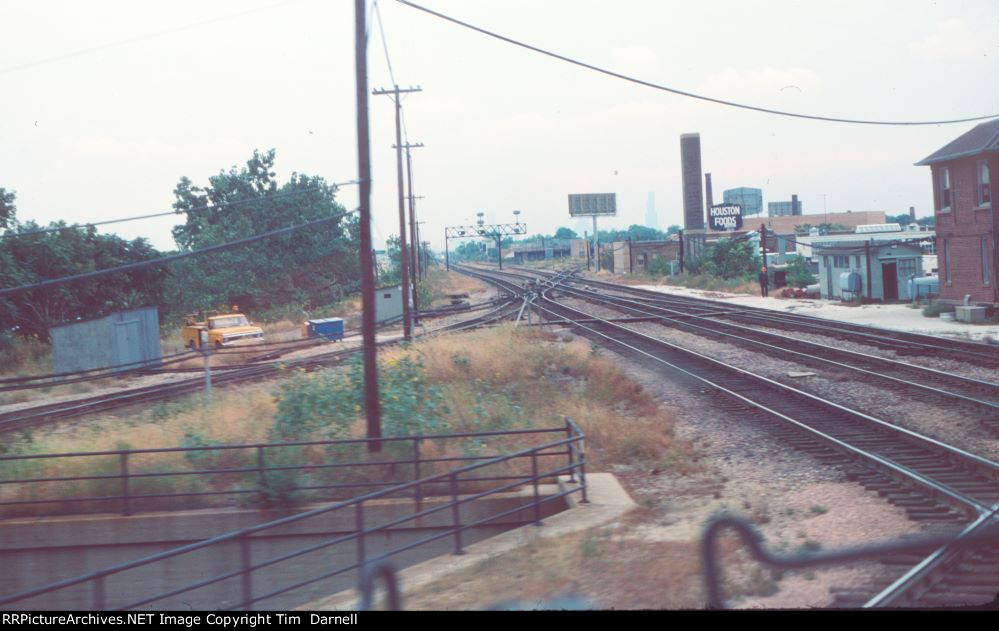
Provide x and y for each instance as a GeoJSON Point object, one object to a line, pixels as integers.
{"type": "Point", "coordinates": [359, 521]}
{"type": "Point", "coordinates": [246, 575]}
{"type": "Point", "coordinates": [570, 450]}
{"type": "Point", "coordinates": [456, 515]}
{"type": "Point", "coordinates": [418, 491]}
{"type": "Point", "coordinates": [126, 508]}
{"type": "Point", "coordinates": [537, 490]}
{"type": "Point", "coordinates": [99, 603]}
{"type": "Point", "coordinates": [261, 476]}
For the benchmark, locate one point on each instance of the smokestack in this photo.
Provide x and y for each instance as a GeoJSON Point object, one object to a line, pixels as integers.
{"type": "Point", "coordinates": [912, 214]}
{"type": "Point", "coordinates": [707, 189]}
{"type": "Point", "coordinates": [795, 208]}
{"type": "Point", "coordinates": [690, 166]}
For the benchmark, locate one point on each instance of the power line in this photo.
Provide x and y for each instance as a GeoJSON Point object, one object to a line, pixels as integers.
{"type": "Point", "coordinates": [692, 95]}
{"type": "Point", "coordinates": [240, 202]}
{"type": "Point", "coordinates": [138, 38]}
{"type": "Point", "coordinates": [169, 259]}
{"type": "Point", "coordinates": [381, 30]}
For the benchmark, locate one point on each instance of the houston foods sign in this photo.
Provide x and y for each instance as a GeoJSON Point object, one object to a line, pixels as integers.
{"type": "Point", "coordinates": [725, 217]}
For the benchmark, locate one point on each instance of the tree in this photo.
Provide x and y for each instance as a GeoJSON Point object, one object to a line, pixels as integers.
{"type": "Point", "coordinates": [309, 267]}
{"type": "Point", "coordinates": [727, 259]}
{"type": "Point", "coordinates": [8, 211]}
{"type": "Point", "coordinates": [673, 230]}
{"type": "Point", "coordinates": [566, 233]}
{"type": "Point", "coordinates": [33, 258]}
{"type": "Point", "coordinates": [799, 274]}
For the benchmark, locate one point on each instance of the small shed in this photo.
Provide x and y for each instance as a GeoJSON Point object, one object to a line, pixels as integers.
{"type": "Point", "coordinates": [124, 340]}
{"type": "Point", "coordinates": [388, 303]}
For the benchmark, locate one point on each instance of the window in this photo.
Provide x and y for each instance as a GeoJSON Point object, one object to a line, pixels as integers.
{"type": "Point", "coordinates": [856, 261]}
{"type": "Point", "coordinates": [945, 189]}
{"type": "Point", "coordinates": [906, 268]}
{"type": "Point", "coordinates": [985, 261]}
{"type": "Point", "coordinates": [947, 277]}
{"type": "Point", "coordinates": [841, 261]}
{"type": "Point", "coordinates": [984, 190]}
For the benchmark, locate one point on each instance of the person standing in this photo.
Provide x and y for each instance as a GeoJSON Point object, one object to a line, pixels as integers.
{"type": "Point", "coordinates": [764, 283]}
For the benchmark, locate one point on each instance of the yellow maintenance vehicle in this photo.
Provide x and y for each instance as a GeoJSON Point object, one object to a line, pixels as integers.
{"type": "Point", "coordinates": [220, 329]}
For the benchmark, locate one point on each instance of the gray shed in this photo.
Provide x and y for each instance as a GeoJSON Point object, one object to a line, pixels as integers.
{"type": "Point", "coordinates": [124, 340]}
{"type": "Point", "coordinates": [388, 303]}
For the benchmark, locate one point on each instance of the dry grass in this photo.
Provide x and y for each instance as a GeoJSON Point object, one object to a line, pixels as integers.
{"type": "Point", "coordinates": [502, 378]}
{"type": "Point", "coordinates": [234, 418]}
{"type": "Point", "coordinates": [547, 380]}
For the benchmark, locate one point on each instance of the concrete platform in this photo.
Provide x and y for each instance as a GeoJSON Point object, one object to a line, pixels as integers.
{"type": "Point", "coordinates": [608, 501]}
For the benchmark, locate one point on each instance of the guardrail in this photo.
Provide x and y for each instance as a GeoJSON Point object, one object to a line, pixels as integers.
{"type": "Point", "coordinates": [267, 474]}
{"type": "Point", "coordinates": [247, 592]}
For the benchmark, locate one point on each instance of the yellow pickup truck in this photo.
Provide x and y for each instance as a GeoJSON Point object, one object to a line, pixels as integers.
{"type": "Point", "coordinates": [222, 330]}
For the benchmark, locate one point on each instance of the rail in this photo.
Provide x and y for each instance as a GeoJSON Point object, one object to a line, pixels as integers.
{"type": "Point", "coordinates": [246, 592]}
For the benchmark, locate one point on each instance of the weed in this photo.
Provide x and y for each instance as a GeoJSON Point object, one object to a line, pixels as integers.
{"type": "Point", "coordinates": [819, 510]}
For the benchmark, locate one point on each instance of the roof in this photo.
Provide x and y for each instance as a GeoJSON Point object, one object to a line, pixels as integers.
{"type": "Point", "coordinates": [848, 241]}
{"type": "Point", "coordinates": [983, 138]}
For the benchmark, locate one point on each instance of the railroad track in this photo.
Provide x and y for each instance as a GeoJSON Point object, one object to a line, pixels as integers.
{"type": "Point", "coordinates": [901, 342]}
{"type": "Point", "coordinates": [933, 482]}
{"type": "Point", "coordinates": [260, 370]}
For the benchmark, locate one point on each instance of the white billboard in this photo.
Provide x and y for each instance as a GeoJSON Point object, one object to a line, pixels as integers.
{"type": "Point", "coordinates": [593, 204]}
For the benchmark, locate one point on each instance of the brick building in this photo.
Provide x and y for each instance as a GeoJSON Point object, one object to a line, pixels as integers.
{"type": "Point", "coordinates": [634, 257]}
{"type": "Point", "coordinates": [966, 221]}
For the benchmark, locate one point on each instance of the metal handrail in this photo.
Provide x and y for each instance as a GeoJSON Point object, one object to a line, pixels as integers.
{"type": "Point", "coordinates": [753, 540]}
{"type": "Point", "coordinates": [260, 469]}
{"type": "Point", "coordinates": [243, 536]}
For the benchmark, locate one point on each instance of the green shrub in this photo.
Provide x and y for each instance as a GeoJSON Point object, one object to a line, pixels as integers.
{"type": "Point", "coordinates": [935, 308]}
{"type": "Point", "coordinates": [328, 402]}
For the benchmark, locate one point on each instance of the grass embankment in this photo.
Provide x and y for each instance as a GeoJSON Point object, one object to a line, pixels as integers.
{"type": "Point", "coordinates": [501, 378]}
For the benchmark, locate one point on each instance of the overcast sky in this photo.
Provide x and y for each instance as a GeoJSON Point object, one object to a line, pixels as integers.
{"type": "Point", "coordinates": [106, 104]}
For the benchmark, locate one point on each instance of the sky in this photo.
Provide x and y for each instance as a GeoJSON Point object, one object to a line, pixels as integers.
{"type": "Point", "coordinates": [104, 105]}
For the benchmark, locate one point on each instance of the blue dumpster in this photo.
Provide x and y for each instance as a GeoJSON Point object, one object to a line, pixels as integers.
{"type": "Point", "coordinates": [330, 328]}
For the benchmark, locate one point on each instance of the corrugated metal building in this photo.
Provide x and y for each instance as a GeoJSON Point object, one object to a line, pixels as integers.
{"type": "Point", "coordinates": [125, 340]}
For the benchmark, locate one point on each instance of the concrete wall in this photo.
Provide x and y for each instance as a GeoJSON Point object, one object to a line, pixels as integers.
{"type": "Point", "coordinates": [38, 552]}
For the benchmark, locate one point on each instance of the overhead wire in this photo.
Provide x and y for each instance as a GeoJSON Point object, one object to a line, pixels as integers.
{"type": "Point", "coordinates": [28, 233]}
{"type": "Point", "coordinates": [665, 88]}
{"type": "Point", "coordinates": [171, 258]}
{"type": "Point", "coordinates": [138, 38]}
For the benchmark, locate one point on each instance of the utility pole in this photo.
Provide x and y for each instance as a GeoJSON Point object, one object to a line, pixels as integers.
{"type": "Point", "coordinates": [407, 323]}
{"type": "Point", "coordinates": [413, 257]}
{"type": "Point", "coordinates": [763, 243]}
{"type": "Point", "coordinates": [372, 406]}
{"type": "Point", "coordinates": [680, 234]}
